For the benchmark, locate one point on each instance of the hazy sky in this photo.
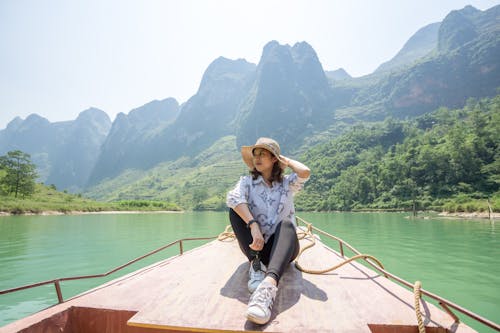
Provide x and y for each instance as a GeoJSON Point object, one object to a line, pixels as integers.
{"type": "Point", "coordinates": [58, 58]}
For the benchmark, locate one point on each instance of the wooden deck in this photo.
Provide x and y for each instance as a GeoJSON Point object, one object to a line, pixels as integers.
{"type": "Point", "coordinates": [204, 290]}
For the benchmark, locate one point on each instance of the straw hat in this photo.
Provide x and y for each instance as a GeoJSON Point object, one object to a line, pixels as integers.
{"type": "Point", "coordinates": [269, 144]}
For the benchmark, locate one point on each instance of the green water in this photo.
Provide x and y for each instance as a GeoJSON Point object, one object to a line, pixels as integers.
{"type": "Point", "coordinates": [456, 259]}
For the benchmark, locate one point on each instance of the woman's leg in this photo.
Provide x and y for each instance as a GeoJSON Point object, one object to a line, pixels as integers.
{"type": "Point", "coordinates": [256, 271]}
{"type": "Point", "coordinates": [242, 234]}
{"type": "Point", "coordinates": [285, 248]}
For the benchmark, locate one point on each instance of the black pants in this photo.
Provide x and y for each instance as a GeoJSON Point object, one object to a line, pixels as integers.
{"type": "Point", "coordinates": [279, 250]}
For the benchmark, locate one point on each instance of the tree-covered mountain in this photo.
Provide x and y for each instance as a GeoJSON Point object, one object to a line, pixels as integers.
{"type": "Point", "coordinates": [446, 159]}
{"type": "Point", "coordinates": [64, 152]}
{"type": "Point", "coordinates": [398, 164]}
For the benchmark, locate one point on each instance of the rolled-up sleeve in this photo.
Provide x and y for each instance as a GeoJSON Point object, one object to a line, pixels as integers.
{"type": "Point", "coordinates": [239, 194]}
{"type": "Point", "coordinates": [295, 183]}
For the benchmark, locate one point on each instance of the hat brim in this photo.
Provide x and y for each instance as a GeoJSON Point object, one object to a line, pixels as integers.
{"type": "Point", "coordinates": [247, 155]}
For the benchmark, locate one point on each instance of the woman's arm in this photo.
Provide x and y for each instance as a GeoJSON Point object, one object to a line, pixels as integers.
{"type": "Point", "coordinates": [299, 168]}
{"type": "Point", "coordinates": [258, 240]}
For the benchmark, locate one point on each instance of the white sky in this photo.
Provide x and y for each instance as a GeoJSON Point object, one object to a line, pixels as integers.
{"type": "Point", "coordinates": [60, 57]}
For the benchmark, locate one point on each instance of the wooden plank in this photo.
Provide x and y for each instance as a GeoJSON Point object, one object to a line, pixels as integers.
{"type": "Point", "coordinates": [208, 290]}
{"type": "Point", "coordinates": [210, 295]}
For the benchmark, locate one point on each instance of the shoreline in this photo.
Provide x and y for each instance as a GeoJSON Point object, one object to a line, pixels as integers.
{"type": "Point", "coordinates": [473, 215]}
{"type": "Point", "coordinates": [458, 215]}
{"type": "Point", "coordinates": [104, 212]}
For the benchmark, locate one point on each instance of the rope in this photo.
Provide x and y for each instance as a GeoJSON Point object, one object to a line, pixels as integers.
{"type": "Point", "coordinates": [417, 294]}
{"type": "Point", "coordinates": [226, 235]}
{"type": "Point", "coordinates": [308, 233]}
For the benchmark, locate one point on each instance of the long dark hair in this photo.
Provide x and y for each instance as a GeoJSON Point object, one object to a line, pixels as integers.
{"type": "Point", "coordinates": [276, 173]}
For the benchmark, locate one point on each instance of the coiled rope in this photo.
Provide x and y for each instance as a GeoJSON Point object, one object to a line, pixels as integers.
{"type": "Point", "coordinates": [228, 236]}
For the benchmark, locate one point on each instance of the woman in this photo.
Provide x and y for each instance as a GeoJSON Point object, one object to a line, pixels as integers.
{"type": "Point", "coordinates": [263, 220]}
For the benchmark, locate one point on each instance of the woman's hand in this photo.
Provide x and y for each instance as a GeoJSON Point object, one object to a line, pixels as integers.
{"type": "Point", "coordinates": [285, 161]}
{"type": "Point", "coordinates": [258, 239]}
{"type": "Point", "coordinates": [300, 169]}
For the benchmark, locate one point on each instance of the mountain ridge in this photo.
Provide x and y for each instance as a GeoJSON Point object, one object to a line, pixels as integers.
{"type": "Point", "coordinates": [420, 44]}
{"type": "Point", "coordinates": [287, 95]}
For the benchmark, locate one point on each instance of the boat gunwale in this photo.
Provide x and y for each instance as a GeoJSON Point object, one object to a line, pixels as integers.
{"type": "Point", "coordinates": [82, 277]}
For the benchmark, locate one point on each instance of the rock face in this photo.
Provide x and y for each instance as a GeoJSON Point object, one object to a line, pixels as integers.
{"type": "Point", "coordinates": [202, 120]}
{"type": "Point", "coordinates": [209, 115]}
{"type": "Point", "coordinates": [131, 141]}
{"type": "Point", "coordinates": [289, 97]}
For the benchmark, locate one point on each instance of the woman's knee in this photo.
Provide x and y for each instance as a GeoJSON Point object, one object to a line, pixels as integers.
{"type": "Point", "coordinates": [234, 217]}
{"type": "Point", "coordinates": [288, 225]}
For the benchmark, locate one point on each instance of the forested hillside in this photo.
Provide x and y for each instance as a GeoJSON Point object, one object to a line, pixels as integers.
{"type": "Point", "coordinates": [192, 183]}
{"type": "Point", "coordinates": [446, 159]}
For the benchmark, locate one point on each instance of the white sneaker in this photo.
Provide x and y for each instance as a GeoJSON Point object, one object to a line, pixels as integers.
{"type": "Point", "coordinates": [256, 275]}
{"type": "Point", "coordinates": [261, 302]}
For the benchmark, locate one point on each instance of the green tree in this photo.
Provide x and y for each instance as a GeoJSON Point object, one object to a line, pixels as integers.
{"type": "Point", "coordinates": [20, 173]}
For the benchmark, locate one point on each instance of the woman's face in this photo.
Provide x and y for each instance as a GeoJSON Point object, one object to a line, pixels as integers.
{"type": "Point", "coordinates": [263, 160]}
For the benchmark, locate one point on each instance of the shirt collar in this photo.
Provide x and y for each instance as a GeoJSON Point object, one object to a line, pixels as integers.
{"type": "Point", "coordinates": [260, 180]}
{"type": "Point", "coordinates": [257, 181]}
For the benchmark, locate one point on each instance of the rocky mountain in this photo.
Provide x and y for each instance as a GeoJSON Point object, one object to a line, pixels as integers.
{"type": "Point", "coordinates": [289, 98]}
{"type": "Point", "coordinates": [64, 152]}
{"type": "Point", "coordinates": [131, 140]}
{"type": "Point", "coordinates": [422, 43]}
{"type": "Point", "coordinates": [459, 28]}
{"type": "Point", "coordinates": [465, 65]}
{"type": "Point", "coordinates": [157, 137]}
{"type": "Point", "coordinates": [208, 115]}
{"type": "Point", "coordinates": [337, 75]}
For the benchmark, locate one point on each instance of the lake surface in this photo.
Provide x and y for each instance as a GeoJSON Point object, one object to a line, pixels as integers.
{"type": "Point", "coordinates": [456, 259]}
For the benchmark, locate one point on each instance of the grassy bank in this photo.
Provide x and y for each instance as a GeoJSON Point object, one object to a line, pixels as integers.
{"type": "Point", "coordinates": [48, 199]}
{"type": "Point", "coordinates": [468, 204]}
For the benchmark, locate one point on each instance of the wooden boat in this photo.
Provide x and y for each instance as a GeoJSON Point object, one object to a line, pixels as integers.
{"type": "Point", "coordinates": [204, 290]}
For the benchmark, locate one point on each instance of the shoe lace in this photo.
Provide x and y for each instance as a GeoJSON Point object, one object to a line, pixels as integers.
{"type": "Point", "coordinates": [263, 297]}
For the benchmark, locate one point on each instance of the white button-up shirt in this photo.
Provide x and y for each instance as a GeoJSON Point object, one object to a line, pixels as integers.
{"type": "Point", "coordinates": [269, 205]}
